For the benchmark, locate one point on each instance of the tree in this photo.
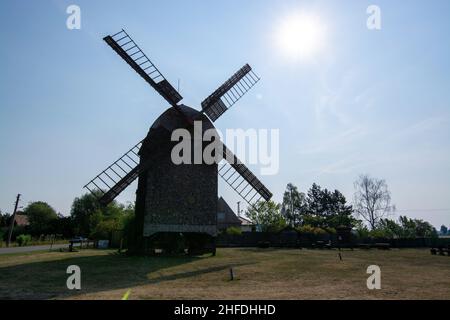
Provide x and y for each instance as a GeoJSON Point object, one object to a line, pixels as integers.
{"type": "Point", "coordinates": [90, 219]}
{"type": "Point", "coordinates": [267, 215]}
{"type": "Point", "coordinates": [444, 230]}
{"type": "Point", "coordinates": [404, 228]}
{"type": "Point", "coordinates": [391, 229]}
{"type": "Point", "coordinates": [4, 219]}
{"type": "Point", "coordinates": [41, 217]}
{"type": "Point", "coordinates": [341, 212]}
{"type": "Point", "coordinates": [83, 208]}
{"type": "Point", "coordinates": [424, 229]}
{"type": "Point", "coordinates": [64, 226]}
{"type": "Point", "coordinates": [104, 228]}
{"type": "Point", "coordinates": [372, 200]}
{"type": "Point", "coordinates": [294, 205]}
{"type": "Point", "coordinates": [327, 209]}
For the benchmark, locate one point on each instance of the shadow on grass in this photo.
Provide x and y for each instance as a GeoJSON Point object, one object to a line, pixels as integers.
{"type": "Point", "coordinates": [196, 272]}
{"type": "Point", "coordinates": [47, 279]}
{"type": "Point", "coordinates": [263, 250]}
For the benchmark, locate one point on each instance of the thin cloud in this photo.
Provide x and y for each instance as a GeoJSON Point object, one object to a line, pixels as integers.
{"type": "Point", "coordinates": [344, 138]}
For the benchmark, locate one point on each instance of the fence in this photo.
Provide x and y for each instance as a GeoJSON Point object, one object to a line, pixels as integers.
{"type": "Point", "coordinates": [293, 239]}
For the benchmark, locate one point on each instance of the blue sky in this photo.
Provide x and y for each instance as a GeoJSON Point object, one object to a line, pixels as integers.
{"type": "Point", "coordinates": [374, 102]}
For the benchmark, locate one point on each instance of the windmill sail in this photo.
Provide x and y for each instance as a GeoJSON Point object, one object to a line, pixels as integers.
{"type": "Point", "coordinates": [229, 93]}
{"type": "Point", "coordinates": [109, 183]}
{"type": "Point", "coordinates": [125, 47]}
{"type": "Point", "coordinates": [241, 179]}
{"type": "Point", "coordinates": [114, 179]}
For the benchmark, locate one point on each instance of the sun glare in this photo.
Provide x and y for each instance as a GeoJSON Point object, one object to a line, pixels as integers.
{"type": "Point", "coordinates": [301, 36]}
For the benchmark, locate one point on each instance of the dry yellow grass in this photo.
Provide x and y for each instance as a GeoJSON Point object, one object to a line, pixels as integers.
{"type": "Point", "coordinates": [260, 274]}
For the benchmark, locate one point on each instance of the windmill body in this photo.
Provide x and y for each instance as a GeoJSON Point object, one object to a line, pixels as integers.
{"type": "Point", "coordinates": [176, 198]}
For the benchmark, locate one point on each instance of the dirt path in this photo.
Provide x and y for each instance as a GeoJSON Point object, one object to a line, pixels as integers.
{"type": "Point", "coordinates": [31, 248]}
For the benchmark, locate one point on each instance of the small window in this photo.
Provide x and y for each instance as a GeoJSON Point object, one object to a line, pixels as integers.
{"type": "Point", "coordinates": [221, 216]}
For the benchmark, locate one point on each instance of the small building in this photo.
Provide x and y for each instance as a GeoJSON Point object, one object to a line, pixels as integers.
{"type": "Point", "coordinates": [21, 220]}
{"type": "Point", "coordinates": [247, 225]}
{"type": "Point", "coordinates": [225, 216]}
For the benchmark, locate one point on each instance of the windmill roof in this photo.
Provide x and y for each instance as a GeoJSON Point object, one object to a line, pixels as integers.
{"type": "Point", "coordinates": [171, 119]}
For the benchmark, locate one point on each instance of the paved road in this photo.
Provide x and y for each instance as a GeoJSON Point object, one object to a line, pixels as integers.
{"type": "Point", "coordinates": [31, 248]}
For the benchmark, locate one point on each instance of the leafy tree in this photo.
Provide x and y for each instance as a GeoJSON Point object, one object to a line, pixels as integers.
{"type": "Point", "coordinates": [294, 205]}
{"type": "Point", "coordinates": [361, 230]}
{"type": "Point", "coordinates": [4, 219]}
{"type": "Point", "coordinates": [116, 217]}
{"type": "Point", "coordinates": [341, 214]}
{"type": "Point", "coordinates": [404, 228]}
{"type": "Point", "coordinates": [127, 218]}
{"type": "Point", "coordinates": [64, 226]}
{"type": "Point", "coordinates": [267, 215]}
{"type": "Point", "coordinates": [104, 228]}
{"type": "Point", "coordinates": [327, 209]}
{"type": "Point", "coordinates": [83, 208]}
{"type": "Point", "coordinates": [372, 199]}
{"type": "Point", "coordinates": [87, 213]}
{"type": "Point", "coordinates": [424, 229]}
{"type": "Point", "coordinates": [444, 230]}
{"type": "Point", "coordinates": [41, 217]}
{"type": "Point", "coordinates": [391, 229]}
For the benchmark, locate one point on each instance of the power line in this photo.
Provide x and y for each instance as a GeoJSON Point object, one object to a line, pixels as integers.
{"type": "Point", "coordinates": [429, 210]}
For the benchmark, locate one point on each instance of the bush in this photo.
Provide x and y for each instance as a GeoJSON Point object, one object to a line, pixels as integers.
{"type": "Point", "coordinates": [378, 233]}
{"type": "Point", "coordinates": [308, 229]}
{"type": "Point", "coordinates": [23, 240]}
{"type": "Point", "coordinates": [233, 231]}
{"type": "Point", "coordinates": [330, 230]}
{"type": "Point", "coordinates": [362, 232]}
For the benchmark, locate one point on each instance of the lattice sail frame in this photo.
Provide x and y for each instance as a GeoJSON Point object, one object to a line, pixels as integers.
{"type": "Point", "coordinates": [115, 178]}
{"type": "Point", "coordinates": [128, 49]}
{"type": "Point", "coordinates": [246, 184]}
{"type": "Point", "coordinates": [229, 92]}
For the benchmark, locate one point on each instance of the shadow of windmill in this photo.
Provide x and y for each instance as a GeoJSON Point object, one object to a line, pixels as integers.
{"type": "Point", "coordinates": [47, 279]}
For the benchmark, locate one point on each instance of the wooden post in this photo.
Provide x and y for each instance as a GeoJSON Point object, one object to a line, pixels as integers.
{"type": "Point", "coordinates": [51, 244]}
{"type": "Point", "coordinates": [121, 244]}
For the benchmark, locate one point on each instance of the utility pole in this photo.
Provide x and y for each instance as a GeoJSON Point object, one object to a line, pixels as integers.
{"type": "Point", "coordinates": [13, 219]}
{"type": "Point", "coordinates": [239, 208]}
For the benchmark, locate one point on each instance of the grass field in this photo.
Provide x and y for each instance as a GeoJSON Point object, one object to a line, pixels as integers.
{"type": "Point", "coordinates": [259, 274]}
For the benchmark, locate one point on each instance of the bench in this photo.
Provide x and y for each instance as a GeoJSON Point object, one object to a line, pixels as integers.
{"type": "Point", "coordinates": [322, 245]}
{"type": "Point", "coordinates": [74, 241]}
{"type": "Point", "coordinates": [440, 250]}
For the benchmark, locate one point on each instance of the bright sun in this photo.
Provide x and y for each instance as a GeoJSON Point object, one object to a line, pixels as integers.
{"type": "Point", "coordinates": [301, 36]}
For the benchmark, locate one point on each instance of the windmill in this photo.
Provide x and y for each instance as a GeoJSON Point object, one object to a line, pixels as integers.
{"type": "Point", "coordinates": [176, 198]}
